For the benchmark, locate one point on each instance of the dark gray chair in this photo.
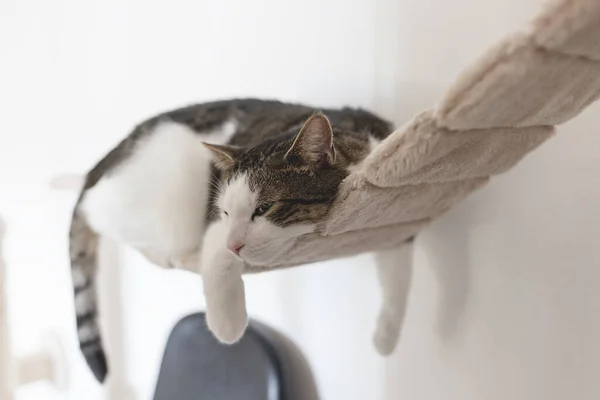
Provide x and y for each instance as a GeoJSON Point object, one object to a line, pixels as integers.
{"type": "Point", "coordinates": [264, 365]}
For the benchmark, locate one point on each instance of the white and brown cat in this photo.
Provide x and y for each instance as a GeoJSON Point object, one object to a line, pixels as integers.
{"type": "Point", "coordinates": [219, 187]}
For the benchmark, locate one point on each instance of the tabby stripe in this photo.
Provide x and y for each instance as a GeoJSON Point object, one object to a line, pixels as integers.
{"type": "Point", "coordinates": [284, 213]}
{"type": "Point", "coordinates": [82, 319]}
{"type": "Point", "coordinates": [89, 343]}
{"type": "Point", "coordinates": [86, 285]}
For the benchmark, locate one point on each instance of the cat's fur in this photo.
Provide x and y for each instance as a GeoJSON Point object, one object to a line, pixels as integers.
{"type": "Point", "coordinates": [219, 188]}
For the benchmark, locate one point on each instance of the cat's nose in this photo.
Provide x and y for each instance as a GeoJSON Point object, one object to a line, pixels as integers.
{"type": "Point", "coordinates": [235, 248]}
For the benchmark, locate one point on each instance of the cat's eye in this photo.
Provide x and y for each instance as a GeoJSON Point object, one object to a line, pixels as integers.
{"type": "Point", "coordinates": [226, 213]}
{"type": "Point", "coordinates": [261, 210]}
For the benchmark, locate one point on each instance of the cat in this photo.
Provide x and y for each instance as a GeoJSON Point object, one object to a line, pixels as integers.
{"type": "Point", "coordinates": [218, 188]}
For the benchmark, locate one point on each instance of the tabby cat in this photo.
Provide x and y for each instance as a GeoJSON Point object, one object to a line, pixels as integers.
{"type": "Point", "coordinates": [213, 187]}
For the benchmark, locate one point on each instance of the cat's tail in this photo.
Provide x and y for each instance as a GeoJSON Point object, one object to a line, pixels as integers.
{"type": "Point", "coordinates": [83, 248]}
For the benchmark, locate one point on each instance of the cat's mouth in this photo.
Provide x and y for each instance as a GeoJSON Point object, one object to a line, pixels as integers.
{"type": "Point", "coordinates": [237, 256]}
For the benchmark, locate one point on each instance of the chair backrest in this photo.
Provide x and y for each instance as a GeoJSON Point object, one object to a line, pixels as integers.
{"type": "Point", "coordinates": [264, 365]}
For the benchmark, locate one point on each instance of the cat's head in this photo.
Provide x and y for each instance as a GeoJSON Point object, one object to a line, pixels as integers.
{"type": "Point", "coordinates": [277, 190]}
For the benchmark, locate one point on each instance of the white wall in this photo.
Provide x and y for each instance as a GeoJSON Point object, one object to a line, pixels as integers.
{"type": "Point", "coordinates": [505, 301]}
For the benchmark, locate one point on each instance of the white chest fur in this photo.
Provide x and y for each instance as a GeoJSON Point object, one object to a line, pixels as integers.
{"type": "Point", "coordinates": [156, 201]}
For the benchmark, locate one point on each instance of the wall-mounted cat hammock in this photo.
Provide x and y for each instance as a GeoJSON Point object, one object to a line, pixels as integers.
{"type": "Point", "coordinates": [498, 110]}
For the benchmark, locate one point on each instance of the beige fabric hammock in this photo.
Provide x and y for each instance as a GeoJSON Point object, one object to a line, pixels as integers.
{"type": "Point", "coordinates": [496, 112]}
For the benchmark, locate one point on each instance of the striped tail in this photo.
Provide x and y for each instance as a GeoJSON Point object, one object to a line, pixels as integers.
{"type": "Point", "coordinates": [84, 265]}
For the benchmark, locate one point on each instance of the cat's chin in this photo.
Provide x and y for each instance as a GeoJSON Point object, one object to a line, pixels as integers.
{"type": "Point", "coordinates": [238, 257]}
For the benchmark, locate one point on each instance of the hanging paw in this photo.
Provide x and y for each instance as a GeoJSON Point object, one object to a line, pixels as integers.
{"type": "Point", "coordinates": [228, 328]}
{"type": "Point", "coordinates": [387, 334]}
{"type": "Point", "coordinates": [226, 313]}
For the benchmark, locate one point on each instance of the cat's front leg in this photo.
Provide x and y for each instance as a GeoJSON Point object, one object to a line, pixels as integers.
{"type": "Point", "coordinates": [226, 314]}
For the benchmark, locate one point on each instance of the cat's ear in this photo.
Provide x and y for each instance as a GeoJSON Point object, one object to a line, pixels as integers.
{"type": "Point", "coordinates": [225, 157]}
{"type": "Point", "coordinates": [314, 143]}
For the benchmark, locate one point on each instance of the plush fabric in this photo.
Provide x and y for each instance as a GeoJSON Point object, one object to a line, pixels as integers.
{"type": "Point", "coordinates": [501, 108]}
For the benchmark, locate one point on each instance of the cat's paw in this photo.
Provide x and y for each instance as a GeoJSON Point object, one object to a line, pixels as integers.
{"type": "Point", "coordinates": [228, 329]}
{"type": "Point", "coordinates": [387, 334]}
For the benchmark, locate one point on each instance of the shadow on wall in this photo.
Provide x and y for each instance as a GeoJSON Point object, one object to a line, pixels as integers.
{"type": "Point", "coordinates": [448, 257]}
